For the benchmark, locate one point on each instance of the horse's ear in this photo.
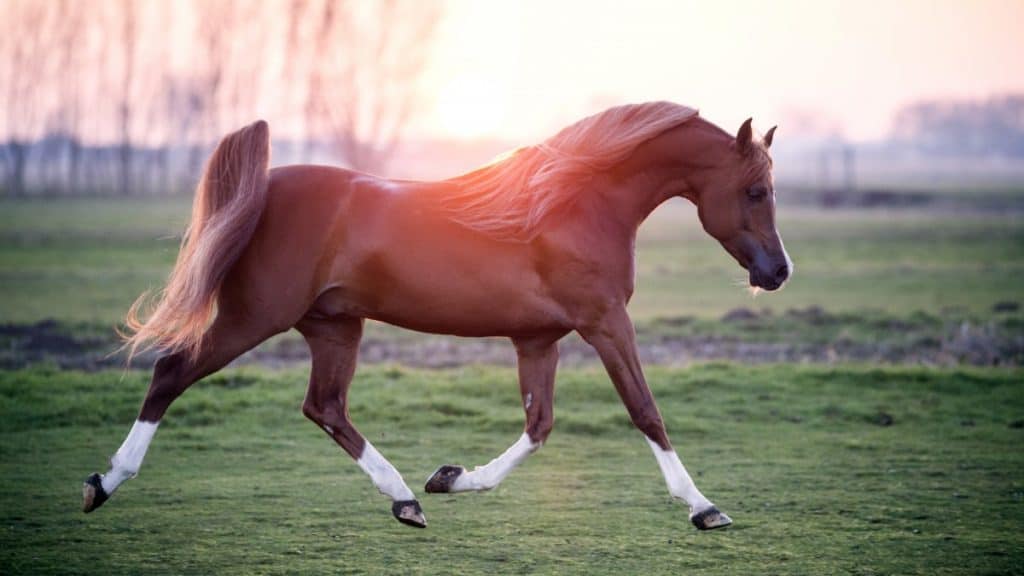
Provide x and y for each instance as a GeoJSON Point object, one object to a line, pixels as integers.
{"type": "Point", "coordinates": [744, 137]}
{"type": "Point", "coordinates": [768, 137]}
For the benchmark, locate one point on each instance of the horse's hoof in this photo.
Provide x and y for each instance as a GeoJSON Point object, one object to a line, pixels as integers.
{"type": "Point", "coordinates": [442, 480]}
{"type": "Point", "coordinates": [409, 512]}
{"type": "Point", "coordinates": [710, 519]}
{"type": "Point", "coordinates": [93, 494]}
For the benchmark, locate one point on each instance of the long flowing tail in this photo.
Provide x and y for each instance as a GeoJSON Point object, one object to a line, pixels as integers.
{"type": "Point", "coordinates": [228, 204]}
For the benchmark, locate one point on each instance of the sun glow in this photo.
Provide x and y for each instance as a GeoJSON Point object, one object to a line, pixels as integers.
{"type": "Point", "coordinates": [469, 109]}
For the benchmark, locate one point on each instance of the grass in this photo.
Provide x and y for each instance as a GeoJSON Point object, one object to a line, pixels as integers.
{"type": "Point", "coordinates": [892, 285]}
{"type": "Point", "coordinates": [845, 261]}
{"type": "Point", "coordinates": [824, 469]}
{"type": "Point", "coordinates": [86, 261]}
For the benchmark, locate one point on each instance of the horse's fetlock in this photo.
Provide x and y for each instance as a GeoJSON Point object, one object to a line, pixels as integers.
{"type": "Point", "coordinates": [540, 430]}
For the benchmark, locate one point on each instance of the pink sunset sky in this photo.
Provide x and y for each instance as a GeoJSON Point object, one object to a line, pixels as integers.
{"type": "Point", "coordinates": [519, 70]}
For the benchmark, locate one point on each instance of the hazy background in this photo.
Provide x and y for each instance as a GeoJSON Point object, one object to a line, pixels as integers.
{"type": "Point", "coordinates": [866, 419]}
{"type": "Point", "coordinates": [128, 96]}
{"type": "Point", "coordinates": [898, 157]}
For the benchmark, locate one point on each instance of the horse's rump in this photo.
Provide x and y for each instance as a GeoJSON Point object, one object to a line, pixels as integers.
{"type": "Point", "coordinates": [228, 203]}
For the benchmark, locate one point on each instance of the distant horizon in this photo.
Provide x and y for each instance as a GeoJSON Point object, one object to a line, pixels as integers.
{"type": "Point", "coordinates": [846, 67]}
{"type": "Point", "coordinates": [518, 72]}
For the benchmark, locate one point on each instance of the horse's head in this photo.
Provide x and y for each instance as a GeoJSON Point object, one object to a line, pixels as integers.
{"type": "Point", "coordinates": [737, 207]}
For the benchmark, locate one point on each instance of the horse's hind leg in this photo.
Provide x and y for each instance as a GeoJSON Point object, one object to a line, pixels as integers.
{"type": "Point", "coordinates": [538, 360]}
{"type": "Point", "coordinates": [334, 345]}
{"type": "Point", "coordinates": [226, 339]}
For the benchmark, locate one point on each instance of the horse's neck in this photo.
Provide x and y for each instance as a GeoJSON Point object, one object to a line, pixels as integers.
{"type": "Point", "coordinates": [660, 169]}
{"type": "Point", "coordinates": [640, 194]}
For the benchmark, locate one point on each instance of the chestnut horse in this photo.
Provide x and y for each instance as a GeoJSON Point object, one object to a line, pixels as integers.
{"type": "Point", "coordinates": [532, 247]}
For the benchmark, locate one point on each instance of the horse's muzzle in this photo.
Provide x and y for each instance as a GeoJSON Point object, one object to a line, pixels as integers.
{"type": "Point", "coordinates": [772, 274]}
{"type": "Point", "coordinates": [768, 267]}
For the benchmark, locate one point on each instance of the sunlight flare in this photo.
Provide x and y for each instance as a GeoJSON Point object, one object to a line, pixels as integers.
{"type": "Point", "coordinates": [470, 108]}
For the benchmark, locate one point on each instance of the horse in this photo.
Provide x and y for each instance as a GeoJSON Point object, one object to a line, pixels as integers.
{"type": "Point", "coordinates": [531, 247]}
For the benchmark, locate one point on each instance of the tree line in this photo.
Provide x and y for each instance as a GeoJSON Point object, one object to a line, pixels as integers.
{"type": "Point", "coordinates": [129, 96]}
{"type": "Point", "coordinates": [993, 127]}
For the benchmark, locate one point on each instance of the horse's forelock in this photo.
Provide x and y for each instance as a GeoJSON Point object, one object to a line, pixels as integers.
{"type": "Point", "coordinates": [760, 163]}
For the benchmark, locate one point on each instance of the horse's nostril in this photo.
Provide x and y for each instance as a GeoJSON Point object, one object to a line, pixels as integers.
{"type": "Point", "coordinates": [782, 272]}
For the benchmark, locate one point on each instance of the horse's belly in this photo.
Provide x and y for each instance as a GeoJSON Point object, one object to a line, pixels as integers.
{"type": "Point", "coordinates": [484, 315]}
{"type": "Point", "coordinates": [400, 263]}
{"type": "Point", "coordinates": [448, 304]}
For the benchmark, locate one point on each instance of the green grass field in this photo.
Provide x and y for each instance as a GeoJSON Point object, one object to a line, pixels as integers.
{"type": "Point", "coordinates": [87, 260]}
{"type": "Point", "coordinates": [825, 468]}
{"type": "Point", "coordinates": [238, 482]}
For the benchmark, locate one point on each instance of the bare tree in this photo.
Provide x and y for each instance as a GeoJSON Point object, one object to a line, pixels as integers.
{"type": "Point", "coordinates": [365, 75]}
{"type": "Point", "coordinates": [101, 95]}
{"type": "Point", "coordinates": [293, 69]}
{"type": "Point", "coordinates": [991, 127]}
{"type": "Point", "coordinates": [158, 91]}
{"type": "Point", "coordinates": [215, 25]}
{"type": "Point", "coordinates": [25, 64]}
{"type": "Point", "coordinates": [71, 46]}
{"type": "Point", "coordinates": [126, 106]}
{"type": "Point", "coordinates": [245, 62]}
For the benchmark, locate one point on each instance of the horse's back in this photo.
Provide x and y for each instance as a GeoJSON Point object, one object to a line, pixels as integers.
{"type": "Point", "coordinates": [336, 242]}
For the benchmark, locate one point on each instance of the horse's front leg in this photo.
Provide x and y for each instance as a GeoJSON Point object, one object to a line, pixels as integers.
{"type": "Point", "coordinates": [615, 341]}
{"type": "Point", "coordinates": [538, 359]}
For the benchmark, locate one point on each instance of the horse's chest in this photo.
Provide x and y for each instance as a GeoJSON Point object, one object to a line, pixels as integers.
{"type": "Point", "coordinates": [605, 272]}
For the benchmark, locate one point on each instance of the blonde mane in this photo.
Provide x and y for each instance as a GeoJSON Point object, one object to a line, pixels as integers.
{"type": "Point", "coordinates": [510, 198]}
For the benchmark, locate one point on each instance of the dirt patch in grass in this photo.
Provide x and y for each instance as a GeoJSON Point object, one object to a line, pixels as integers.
{"type": "Point", "coordinates": [806, 335]}
{"type": "Point", "coordinates": [48, 340]}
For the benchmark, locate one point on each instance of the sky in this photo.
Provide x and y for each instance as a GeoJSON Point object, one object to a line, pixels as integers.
{"type": "Point", "coordinates": [520, 70]}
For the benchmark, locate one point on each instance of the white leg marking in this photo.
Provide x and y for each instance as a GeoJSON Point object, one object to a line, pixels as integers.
{"type": "Point", "coordinates": [490, 475]}
{"type": "Point", "coordinates": [385, 477]}
{"type": "Point", "coordinates": [125, 464]}
{"type": "Point", "coordinates": [680, 485]}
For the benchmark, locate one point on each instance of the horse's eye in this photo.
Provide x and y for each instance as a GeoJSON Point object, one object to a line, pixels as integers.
{"type": "Point", "coordinates": [757, 193]}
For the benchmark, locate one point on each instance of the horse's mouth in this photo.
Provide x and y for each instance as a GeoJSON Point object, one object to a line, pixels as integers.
{"type": "Point", "coordinates": [768, 285]}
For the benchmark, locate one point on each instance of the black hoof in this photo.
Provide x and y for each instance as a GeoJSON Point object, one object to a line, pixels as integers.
{"type": "Point", "coordinates": [710, 519]}
{"type": "Point", "coordinates": [443, 479]}
{"type": "Point", "coordinates": [409, 512]}
{"type": "Point", "coordinates": [93, 494]}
